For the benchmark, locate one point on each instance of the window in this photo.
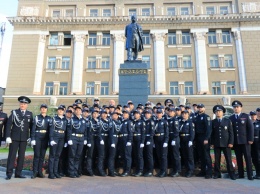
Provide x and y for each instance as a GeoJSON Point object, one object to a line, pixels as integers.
{"type": "Point", "coordinates": [90, 88]}
{"type": "Point", "coordinates": [188, 87]}
{"type": "Point", "coordinates": [226, 37]}
{"type": "Point", "coordinates": [172, 38]}
{"type": "Point", "coordinates": [146, 59]}
{"type": "Point", "coordinates": [145, 12]}
{"type": "Point", "coordinates": [216, 88]}
{"type": "Point", "coordinates": [224, 10]}
{"type": "Point", "coordinates": [174, 88]}
{"type": "Point", "coordinates": [56, 13]}
{"type": "Point", "coordinates": [214, 61]}
{"type": "Point", "coordinates": [93, 13]}
{"type": "Point", "coordinates": [54, 39]}
{"type": "Point", "coordinates": [184, 11]}
{"type": "Point", "coordinates": [106, 39]}
{"type": "Point", "coordinates": [92, 40]}
{"type": "Point", "coordinates": [210, 10]}
{"type": "Point", "coordinates": [67, 39]}
{"type": "Point", "coordinates": [212, 38]}
{"type": "Point", "coordinates": [173, 62]}
{"type": "Point", "coordinates": [65, 63]}
{"type": "Point", "coordinates": [132, 12]}
{"type": "Point", "coordinates": [105, 63]}
{"type": "Point", "coordinates": [51, 62]}
{"type": "Point", "coordinates": [185, 38]}
{"type": "Point", "coordinates": [49, 88]}
{"type": "Point", "coordinates": [228, 61]}
{"type": "Point", "coordinates": [146, 38]}
{"type": "Point", "coordinates": [104, 88]}
{"type": "Point", "coordinates": [186, 62]}
{"type": "Point", "coordinates": [231, 88]}
{"type": "Point", "coordinates": [92, 63]}
{"type": "Point", "coordinates": [69, 13]}
{"type": "Point", "coordinates": [171, 11]}
{"type": "Point", "coordinates": [63, 88]}
{"type": "Point", "coordinates": [107, 12]}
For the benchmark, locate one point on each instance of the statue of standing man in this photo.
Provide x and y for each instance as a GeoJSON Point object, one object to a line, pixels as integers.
{"type": "Point", "coordinates": [134, 42]}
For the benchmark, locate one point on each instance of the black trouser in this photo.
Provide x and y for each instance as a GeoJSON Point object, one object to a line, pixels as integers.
{"type": "Point", "coordinates": [255, 152]}
{"type": "Point", "coordinates": [15, 146]}
{"type": "Point", "coordinates": [138, 156]}
{"type": "Point", "coordinates": [187, 155]}
{"type": "Point", "coordinates": [125, 153]}
{"type": "Point", "coordinates": [82, 169]}
{"type": "Point", "coordinates": [227, 154]}
{"type": "Point", "coordinates": [174, 154]}
{"type": "Point", "coordinates": [75, 151]}
{"type": "Point", "coordinates": [39, 153]}
{"type": "Point", "coordinates": [112, 155]}
{"type": "Point", "coordinates": [89, 165]}
{"type": "Point", "coordinates": [148, 156]}
{"type": "Point", "coordinates": [204, 154]}
{"type": "Point", "coordinates": [103, 156]}
{"type": "Point", "coordinates": [240, 150]}
{"type": "Point", "coordinates": [55, 152]}
{"type": "Point", "coordinates": [63, 161]}
{"type": "Point", "coordinates": [161, 153]}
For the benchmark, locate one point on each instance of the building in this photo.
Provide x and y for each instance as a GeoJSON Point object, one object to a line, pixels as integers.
{"type": "Point", "coordinates": [198, 51]}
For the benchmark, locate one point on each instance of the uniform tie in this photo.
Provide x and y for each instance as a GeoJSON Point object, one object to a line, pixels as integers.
{"type": "Point", "coordinates": [236, 116]}
{"type": "Point", "coordinates": [23, 112]}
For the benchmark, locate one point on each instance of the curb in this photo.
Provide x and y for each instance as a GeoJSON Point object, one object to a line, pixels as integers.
{"type": "Point", "coordinates": [24, 172]}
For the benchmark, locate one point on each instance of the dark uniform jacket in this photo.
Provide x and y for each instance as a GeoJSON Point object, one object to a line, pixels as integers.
{"type": "Point", "coordinates": [186, 129]}
{"type": "Point", "coordinates": [173, 125]}
{"type": "Point", "coordinates": [18, 126]}
{"type": "Point", "coordinates": [114, 132]}
{"type": "Point", "coordinates": [58, 124]}
{"type": "Point", "coordinates": [3, 122]}
{"type": "Point", "coordinates": [256, 130]}
{"type": "Point", "coordinates": [161, 129]}
{"type": "Point", "coordinates": [78, 125]}
{"type": "Point", "coordinates": [94, 129]}
{"type": "Point", "coordinates": [222, 133]}
{"type": "Point", "coordinates": [41, 123]}
{"type": "Point", "coordinates": [149, 129]}
{"type": "Point", "coordinates": [126, 129]}
{"type": "Point", "coordinates": [139, 130]}
{"type": "Point", "coordinates": [203, 125]}
{"type": "Point", "coordinates": [243, 128]}
{"type": "Point", "coordinates": [106, 126]}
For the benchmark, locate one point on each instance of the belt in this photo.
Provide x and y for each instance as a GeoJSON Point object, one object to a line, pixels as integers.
{"type": "Point", "coordinates": [256, 137]}
{"type": "Point", "coordinates": [171, 132]}
{"type": "Point", "coordinates": [104, 134]}
{"type": "Point", "coordinates": [59, 131]}
{"type": "Point", "coordinates": [77, 135]}
{"type": "Point", "coordinates": [147, 135]}
{"type": "Point", "coordinates": [184, 134]}
{"type": "Point", "coordinates": [95, 134]}
{"type": "Point", "coordinates": [41, 131]}
{"type": "Point", "coordinates": [158, 134]}
{"type": "Point", "coordinates": [116, 135]}
{"type": "Point", "coordinates": [137, 134]}
{"type": "Point", "coordinates": [122, 135]}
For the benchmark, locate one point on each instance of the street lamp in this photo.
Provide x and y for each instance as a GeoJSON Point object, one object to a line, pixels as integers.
{"type": "Point", "coordinates": [2, 36]}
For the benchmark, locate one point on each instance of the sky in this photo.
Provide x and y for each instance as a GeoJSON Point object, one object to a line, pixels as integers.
{"type": "Point", "coordinates": [8, 8]}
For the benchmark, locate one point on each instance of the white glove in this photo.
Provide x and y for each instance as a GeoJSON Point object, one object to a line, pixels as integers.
{"type": "Point", "coordinates": [29, 140]}
{"type": "Point", "coordinates": [70, 142]}
{"type": "Point", "coordinates": [165, 145]}
{"type": "Point", "coordinates": [65, 145]}
{"type": "Point", "coordinates": [33, 143]}
{"type": "Point", "coordinates": [128, 144]}
{"type": "Point", "coordinates": [85, 142]}
{"type": "Point", "coordinates": [173, 143]}
{"type": "Point", "coordinates": [113, 145]}
{"type": "Point", "coordinates": [190, 143]}
{"type": "Point", "coordinates": [148, 143]}
{"type": "Point", "coordinates": [153, 145]}
{"type": "Point", "coordinates": [53, 143]}
{"type": "Point", "coordinates": [8, 140]}
{"type": "Point", "coordinates": [141, 145]}
{"type": "Point", "coordinates": [101, 142]}
{"type": "Point", "coordinates": [89, 145]}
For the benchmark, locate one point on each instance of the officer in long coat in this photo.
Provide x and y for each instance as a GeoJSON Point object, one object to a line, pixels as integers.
{"type": "Point", "coordinates": [3, 121]}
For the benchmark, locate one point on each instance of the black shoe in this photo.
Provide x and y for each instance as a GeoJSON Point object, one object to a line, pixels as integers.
{"type": "Point", "coordinates": [162, 174]}
{"type": "Point", "coordinates": [239, 177]}
{"type": "Point", "coordinates": [200, 174]}
{"type": "Point", "coordinates": [256, 177]}
{"type": "Point", "coordinates": [61, 174]}
{"type": "Point", "coordinates": [57, 175]}
{"type": "Point", "coordinates": [148, 174]}
{"type": "Point", "coordinates": [34, 175]}
{"type": "Point", "coordinates": [250, 178]}
{"type": "Point", "coordinates": [51, 177]}
{"type": "Point", "coordinates": [208, 176]}
{"type": "Point", "coordinates": [176, 174]}
{"type": "Point", "coordinates": [138, 174]}
{"type": "Point", "coordinates": [19, 176]}
{"type": "Point", "coordinates": [102, 173]}
{"type": "Point", "coordinates": [8, 177]}
{"type": "Point", "coordinates": [125, 174]}
{"type": "Point", "coordinates": [90, 174]}
{"type": "Point", "coordinates": [40, 175]}
{"type": "Point", "coordinates": [188, 175]}
{"type": "Point", "coordinates": [77, 175]}
{"type": "Point", "coordinates": [216, 176]}
{"type": "Point", "coordinates": [232, 177]}
{"type": "Point", "coordinates": [111, 174]}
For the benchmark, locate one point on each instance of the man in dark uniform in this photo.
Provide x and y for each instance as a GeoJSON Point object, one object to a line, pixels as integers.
{"type": "Point", "coordinates": [222, 139]}
{"type": "Point", "coordinates": [168, 102]}
{"type": "Point", "coordinates": [243, 138]}
{"type": "Point", "coordinates": [3, 121]}
{"type": "Point", "coordinates": [18, 129]}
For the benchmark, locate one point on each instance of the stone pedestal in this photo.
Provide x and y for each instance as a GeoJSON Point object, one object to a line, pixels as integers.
{"type": "Point", "coordinates": [133, 82]}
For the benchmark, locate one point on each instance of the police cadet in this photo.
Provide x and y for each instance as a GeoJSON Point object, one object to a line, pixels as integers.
{"type": "Point", "coordinates": [174, 141]}
{"type": "Point", "coordinates": [57, 140]}
{"type": "Point", "coordinates": [222, 139]}
{"type": "Point", "coordinates": [125, 143]}
{"type": "Point", "coordinates": [255, 148]}
{"type": "Point", "coordinates": [113, 142]}
{"type": "Point", "coordinates": [18, 126]}
{"type": "Point", "coordinates": [186, 129]}
{"type": "Point", "coordinates": [161, 138]}
{"type": "Point", "coordinates": [138, 143]}
{"type": "Point", "coordinates": [77, 138]}
{"type": "Point", "coordinates": [40, 138]}
{"type": "Point", "coordinates": [243, 138]}
{"type": "Point", "coordinates": [202, 139]}
{"type": "Point", "coordinates": [3, 121]}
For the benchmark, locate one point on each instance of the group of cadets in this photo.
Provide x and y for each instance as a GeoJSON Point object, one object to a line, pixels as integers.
{"type": "Point", "coordinates": [83, 138]}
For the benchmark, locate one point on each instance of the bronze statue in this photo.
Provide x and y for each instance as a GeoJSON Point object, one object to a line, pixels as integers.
{"type": "Point", "coordinates": [134, 42]}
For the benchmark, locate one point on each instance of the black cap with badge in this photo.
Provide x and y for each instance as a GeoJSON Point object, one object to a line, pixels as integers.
{"type": "Point", "coordinates": [78, 101]}
{"type": "Point", "coordinates": [43, 106]}
{"type": "Point", "coordinates": [24, 99]}
{"type": "Point", "coordinates": [236, 103]}
{"type": "Point", "coordinates": [219, 108]}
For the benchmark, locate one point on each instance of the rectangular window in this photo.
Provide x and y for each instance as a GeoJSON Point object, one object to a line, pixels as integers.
{"type": "Point", "coordinates": [224, 10]}
{"type": "Point", "coordinates": [56, 13]}
{"type": "Point", "coordinates": [106, 12]}
{"type": "Point", "coordinates": [231, 87]}
{"type": "Point", "coordinates": [63, 88]}
{"type": "Point", "coordinates": [216, 89]}
{"type": "Point", "coordinates": [185, 38]}
{"type": "Point", "coordinates": [49, 88]}
{"type": "Point", "coordinates": [65, 63]}
{"type": "Point", "coordinates": [104, 88]}
{"type": "Point", "coordinates": [171, 38]}
{"type": "Point", "coordinates": [174, 88]}
{"type": "Point", "coordinates": [132, 12]}
{"type": "Point", "coordinates": [69, 13]}
{"type": "Point", "coordinates": [106, 39]}
{"type": "Point", "coordinates": [93, 12]}
{"type": "Point", "coordinates": [145, 12]}
{"type": "Point", "coordinates": [212, 38]}
{"type": "Point", "coordinates": [173, 62]}
{"type": "Point", "coordinates": [146, 59]}
{"type": "Point", "coordinates": [146, 38]}
{"type": "Point", "coordinates": [184, 11]}
{"type": "Point", "coordinates": [186, 62]}
{"type": "Point", "coordinates": [90, 88]}
{"type": "Point", "coordinates": [67, 39]}
{"type": "Point", "coordinates": [92, 63]}
{"type": "Point", "coordinates": [228, 61]}
{"type": "Point", "coordinates": [171, 11]}
{"type": "Point", "coordinates": [92, 39]}
{"type": "Point", "coordinates": [210, 10]}
{"type": "Point", "coordinates": [214, 61]}
{"type": "Point", "coordinates": [188, 87]}
{"type": "Point", "coordinates": [54, 39]}
{"type": "Point", "coordinates": [226, 37]}
{"type": "Point", "coordinates": [51, 62]}
{"type": "Point", "coordinates": [105, 63]}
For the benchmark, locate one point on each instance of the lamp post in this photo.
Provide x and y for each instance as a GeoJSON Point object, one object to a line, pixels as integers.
{"type": "Point", "coordinates": [2, 36]}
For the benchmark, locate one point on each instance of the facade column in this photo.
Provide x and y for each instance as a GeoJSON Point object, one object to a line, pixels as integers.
{"type": "Point", "coordinates": [77, 64]}
{"type": "Point", "coordinates": [39, 65]}
{"type": "Point", "coordinates": [201, 60]}
{"type": "Point", "coordinates": [159, 61]}
{"type": "Point", "coordinates": [119, 49]}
